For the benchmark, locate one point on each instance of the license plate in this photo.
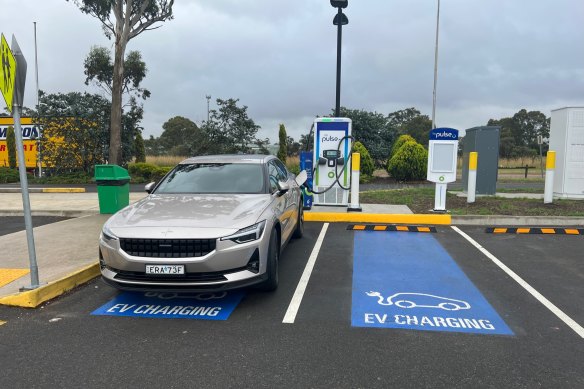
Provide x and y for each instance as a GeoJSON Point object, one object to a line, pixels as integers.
{"type": "Point", "coordinates": [165, 269]}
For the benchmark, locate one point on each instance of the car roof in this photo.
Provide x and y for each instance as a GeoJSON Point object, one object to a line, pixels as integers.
{"type": "Point", "coordinates": [230, 158]}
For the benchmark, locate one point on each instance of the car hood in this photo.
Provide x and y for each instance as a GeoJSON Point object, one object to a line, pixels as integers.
{"type": "Point", "coordinates": [180, 215]}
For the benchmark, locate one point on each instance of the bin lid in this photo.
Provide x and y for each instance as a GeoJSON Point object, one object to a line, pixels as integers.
{"type": "Point", "coordinates": [111, 172]}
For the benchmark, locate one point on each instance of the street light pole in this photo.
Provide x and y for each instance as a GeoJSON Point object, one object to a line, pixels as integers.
{"type": "Point", "coordinates": [339, 20]}
{"type": "Point", "coordinates": [208, 100]}
{"type": "Point", "coordinates": [36, 67]}
{"type": "Point", "coordinates": [339, 47]}
{"type": "Point", "coordinates": [435, 68]}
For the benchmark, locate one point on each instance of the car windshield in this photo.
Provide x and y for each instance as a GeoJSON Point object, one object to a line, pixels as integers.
{"type": "Point", "coordinates": [214, 178]}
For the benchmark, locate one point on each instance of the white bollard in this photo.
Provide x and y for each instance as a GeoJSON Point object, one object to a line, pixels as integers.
{"type": "Point", "coordinates": [355, 173]}
{"type": "Point", "coordinates": [550, 167]}
{"type": "Point", "coordinates": [472, 177]}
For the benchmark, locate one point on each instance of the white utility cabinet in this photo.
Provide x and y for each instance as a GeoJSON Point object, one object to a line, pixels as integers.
{"type": "Point", "coordinates": [567, 140]}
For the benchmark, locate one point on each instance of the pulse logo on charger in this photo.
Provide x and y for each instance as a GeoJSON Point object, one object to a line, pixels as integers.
{"type": "Point", "coordinates": [444, 134]}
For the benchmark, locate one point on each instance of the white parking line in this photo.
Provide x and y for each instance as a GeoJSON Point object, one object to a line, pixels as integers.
{"type": "Point", "coordinates": [548, 304]}
{"type": "Point", "coordinates": [290, 315]}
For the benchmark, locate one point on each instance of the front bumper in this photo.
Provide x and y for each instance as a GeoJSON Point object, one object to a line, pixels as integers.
{"type": "Point", "coordinates": [228, 266]}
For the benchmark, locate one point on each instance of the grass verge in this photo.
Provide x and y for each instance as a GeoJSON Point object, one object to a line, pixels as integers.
{"type": "Point", "coordinates": [421, 200]}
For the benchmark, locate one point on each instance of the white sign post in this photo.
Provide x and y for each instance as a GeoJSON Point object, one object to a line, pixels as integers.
{"type": "Point", "coordinates": [442, 152]}
{"type": "Point", "coordinates": [19, 77]}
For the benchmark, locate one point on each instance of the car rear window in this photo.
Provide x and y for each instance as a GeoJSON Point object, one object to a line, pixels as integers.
{"type": "Point", "coordinates": [214, 178]}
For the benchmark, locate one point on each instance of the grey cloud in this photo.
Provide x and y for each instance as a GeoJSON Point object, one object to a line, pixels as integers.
{"type": "Point", "coordinates": [279, 57]}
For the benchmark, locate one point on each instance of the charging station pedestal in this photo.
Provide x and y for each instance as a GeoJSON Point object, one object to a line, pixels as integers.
{"type": "Point", "coordinates": [332, 146]}
{"type": "Point", "coordinates": [306, 164]}
{"type": "Point", "coordinates": [442, 152]}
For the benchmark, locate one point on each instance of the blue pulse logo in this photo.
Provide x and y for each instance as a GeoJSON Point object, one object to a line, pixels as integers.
{"type": "Point", "coordinates": [445, 135]}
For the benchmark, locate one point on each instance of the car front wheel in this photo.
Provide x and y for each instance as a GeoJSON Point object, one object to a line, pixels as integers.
{"type": "Point", "coordinates": [272, 265]}
{"type": "Point", "coordinates": [299, 231]}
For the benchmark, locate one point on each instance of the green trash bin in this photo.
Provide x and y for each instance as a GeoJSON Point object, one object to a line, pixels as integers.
{"type": "Point", "coordinates": [113, 188]}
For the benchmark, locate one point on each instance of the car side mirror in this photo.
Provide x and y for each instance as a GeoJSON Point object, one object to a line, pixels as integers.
{"type": "Point", "coordinates": [283, 187]}
{"type": "Point", "coordinates": [148, 187]}
{"type": "Point", "coordinates": [301, 177]}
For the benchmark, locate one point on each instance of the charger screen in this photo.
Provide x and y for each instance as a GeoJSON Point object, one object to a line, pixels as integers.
{"type": "Point", "coordinates": [330, 154]}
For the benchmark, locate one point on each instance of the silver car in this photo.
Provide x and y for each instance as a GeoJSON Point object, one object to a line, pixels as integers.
{"type": "Point", "coordinates": [212, 223]}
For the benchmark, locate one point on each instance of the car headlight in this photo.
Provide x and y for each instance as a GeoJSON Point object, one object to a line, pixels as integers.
{"type": "Point", "coordinates": [108, 234]}
{"type": "Point", "coordinates": [247, 234]}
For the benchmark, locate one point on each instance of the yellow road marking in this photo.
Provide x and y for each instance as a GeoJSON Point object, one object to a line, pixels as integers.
{"type": "Point", "coordinates": [523, 230]}
{"type": "Point", "coordinates": [2, 322]}
{"type": "Point", "coordinates": [355, 217]}
{"type": "Point", "coordinates": [34, 298]}
{"type": "Point", "coordinates": [423, 229]}
{"type": "Point", "coordinates": [500, 230]}
{"type": "Point", "coordinates": [572, 231]}
{"type": "Point", "coordinates": [358, 227]}
{"type": "Point", "coordinates": [379, 228]}
{"type": "Point", "coordinates": [9, 275]}
{"type": "Point", "coordinates": [63, 190]}
{"type": "Point", "coordinates": [402, 228]}
{"type": "Point", "coordinates": [548, 231]}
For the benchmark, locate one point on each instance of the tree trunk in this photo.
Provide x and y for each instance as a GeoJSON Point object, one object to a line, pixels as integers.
{"type": "Point", "coordinates": [115, 150]}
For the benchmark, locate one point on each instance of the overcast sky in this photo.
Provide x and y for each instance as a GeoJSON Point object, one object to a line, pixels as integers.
{"type": "Point", "coordinates": [278, 57]}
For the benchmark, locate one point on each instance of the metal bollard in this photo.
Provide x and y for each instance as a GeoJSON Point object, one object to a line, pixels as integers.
{"type": "Point", "coordinates": [550, 167]}
{"type": "Point", "coordinates": [355, 172]}
{"type": "Point", "coordinates": [472, 177]}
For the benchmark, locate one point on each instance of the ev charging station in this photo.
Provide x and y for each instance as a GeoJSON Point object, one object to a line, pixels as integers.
{"type": "Point", "coordinates": [332, 147]}
{"type": "Point", "coordinates": [442, 152]}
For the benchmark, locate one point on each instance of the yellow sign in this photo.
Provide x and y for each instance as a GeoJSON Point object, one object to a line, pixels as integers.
{"type": "Point", "coordinates": [7, 73]}
{"type": "Point", "coordinates": [30, 133]}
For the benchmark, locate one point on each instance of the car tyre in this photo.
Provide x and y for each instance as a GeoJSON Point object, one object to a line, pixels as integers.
{"type": "Point", "coordinates": [271, 283]}
{"type": "Point", "coordinates": [299, 231]}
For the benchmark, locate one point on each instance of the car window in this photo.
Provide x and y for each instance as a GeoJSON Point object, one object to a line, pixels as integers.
{"type": "Point", "coordinates": [214, 178]}
{"type": "Point", "coordinates": [273, 174]}
{"type": "Point", "coordinates": [283, 172]}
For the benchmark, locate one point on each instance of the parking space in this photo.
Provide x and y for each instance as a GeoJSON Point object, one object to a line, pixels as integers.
{"type": "Point", "coordinates": [323, 346]}
{"type": "Point", "coordinates": [553, 265]}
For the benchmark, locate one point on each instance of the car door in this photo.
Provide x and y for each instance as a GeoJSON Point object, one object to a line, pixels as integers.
{"type": "Point", "coordinates": [284, 203]}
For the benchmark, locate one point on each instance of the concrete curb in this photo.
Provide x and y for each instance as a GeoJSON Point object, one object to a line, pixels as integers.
{"type": "Point", "coordinates": [502, 220]}
{"type": "Point", "coordinates": [34, 298]}
{"type": "Point", "coordinates": [476, 220]}
{"type": "Point", "coordinates": [50, 212]}
{"type": "Point", "coordinates": [43, 190]}
{"type": "Point", "coordinates": [387, 218]}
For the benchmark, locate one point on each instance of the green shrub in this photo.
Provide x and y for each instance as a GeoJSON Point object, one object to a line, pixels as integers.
{"type": "Point", "coordinates": [399, 143]}
{"type": "Point", "coordinates": [79, 177]}
{"type": "Point", "coordinates": [293, 167]}
{"type": "Point", "coordinates": [8, 175]}
{"type": "Point", "coordinates": [409, 163]}
{"type": "Point", "coordinates": [367, 165]}
{"type": "Point", "coordinates": [146, 172]}
{"type": "Point", "coordinates": [283, 149]}
{"type": "Point", "coordinates": [11, 146]}
{"type": "Point", "coordinates": [139, 151]}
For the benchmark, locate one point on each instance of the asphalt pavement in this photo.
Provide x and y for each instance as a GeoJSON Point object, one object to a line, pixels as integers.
{"type": "Point", "coordinates": [64, 345]}
{"type": "Point", "coordinates": [312, 331]}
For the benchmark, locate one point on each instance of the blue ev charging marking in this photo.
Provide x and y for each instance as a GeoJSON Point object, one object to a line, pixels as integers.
{"type": "Point", "coordinates": [410, 281]}
{"type": "Point", "coordinates": [206, 306]}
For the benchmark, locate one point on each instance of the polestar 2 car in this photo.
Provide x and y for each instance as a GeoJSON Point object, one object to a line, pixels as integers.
{"type": "Point", "coordinates": [212, 223]}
